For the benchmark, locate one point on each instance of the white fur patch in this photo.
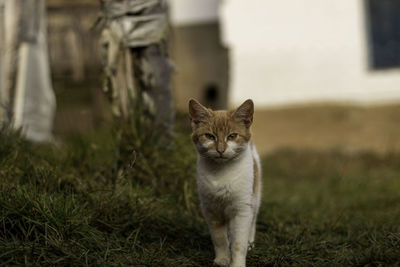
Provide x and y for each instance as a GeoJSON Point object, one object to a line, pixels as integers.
{"type": "Point", "coordinates": [226, 194]}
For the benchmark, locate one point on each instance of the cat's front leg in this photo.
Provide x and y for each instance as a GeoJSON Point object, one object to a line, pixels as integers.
{"type": "Point", "coordinates": [219, 236]}
{"type": "Point", "coordinates": [239, 228]}
{"type": "Point", "coordinates": [252, 233]}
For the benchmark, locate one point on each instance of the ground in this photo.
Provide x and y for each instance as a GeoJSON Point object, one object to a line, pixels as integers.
{"type": "Point", "coordinates": [117, 198]}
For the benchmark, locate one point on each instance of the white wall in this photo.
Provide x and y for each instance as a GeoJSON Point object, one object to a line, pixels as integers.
{"type": "Point", "coordinates": [185, 12]}
{"type": "Point", "coordinates": [289, 52]}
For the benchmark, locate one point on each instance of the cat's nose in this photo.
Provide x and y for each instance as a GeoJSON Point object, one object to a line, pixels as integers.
{"type": "Point", "coordinates": [221, 148]}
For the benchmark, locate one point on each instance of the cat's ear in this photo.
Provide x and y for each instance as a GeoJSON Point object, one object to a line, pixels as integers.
{"type": "Point", "coordinates": [245, 112]}
{"type": "Point", "coordinates": [197, 112]}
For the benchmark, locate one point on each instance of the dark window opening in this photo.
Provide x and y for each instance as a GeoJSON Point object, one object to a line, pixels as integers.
{"type": "Point", "coordinates": [383, 17]}
{"type": "Point", "coordinates": [211, 95]}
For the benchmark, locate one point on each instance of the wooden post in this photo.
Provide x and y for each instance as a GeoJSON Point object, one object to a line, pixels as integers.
{"type": "Point", "coordinates": [9, 25]}
{"type": "Point", "coordinates": [76, 49]}
{"type": "Point", "coordinates": [2, 83]}
{"type": "Point", "coordinates": [135, 38]}
{"type": "Point", "coordinates": [34, 100]}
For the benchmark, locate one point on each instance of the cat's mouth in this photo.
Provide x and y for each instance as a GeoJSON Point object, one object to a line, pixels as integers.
{"type": "Point", "coordinates": [216, 157]}
{"type": "Point", "coordinates": [219, 157]}
{"type": "Point", "coordinates": [222, 158]}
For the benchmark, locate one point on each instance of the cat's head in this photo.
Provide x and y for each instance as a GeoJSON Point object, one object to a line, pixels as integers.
{"type": "Point", "coordinates": [221, 135]}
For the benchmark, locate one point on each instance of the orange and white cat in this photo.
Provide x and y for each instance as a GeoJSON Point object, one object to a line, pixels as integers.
{"type": "Point", "coordinates": [228, 178]}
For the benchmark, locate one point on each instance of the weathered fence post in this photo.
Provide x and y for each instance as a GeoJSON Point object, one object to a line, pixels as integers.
{"type": "Point", "coordinates": [9, 56]}
{"type": "Point", "coordinates": [28, 93]}
{"type": "Point", "coordinates": [135, 39]}
{"type": "Point", "coordinates": [2, 77]}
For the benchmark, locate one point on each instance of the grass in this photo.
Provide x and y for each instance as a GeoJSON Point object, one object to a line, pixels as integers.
{"type": "Point", "coordinates": [115, 198]}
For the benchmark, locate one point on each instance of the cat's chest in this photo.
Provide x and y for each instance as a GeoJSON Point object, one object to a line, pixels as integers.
{"type": "Point", "coordinates": [225, 181]}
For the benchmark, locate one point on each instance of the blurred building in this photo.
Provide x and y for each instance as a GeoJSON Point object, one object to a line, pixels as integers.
{"type": "Point", "coordinates": [201, 61]}
{"type": "Point", "coordinates": [289, 52]}
{"type": "Point", "coordinates": [280, 52]}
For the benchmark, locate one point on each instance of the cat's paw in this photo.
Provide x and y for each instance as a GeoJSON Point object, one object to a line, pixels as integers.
{"type": "Point", "coordinates": [222, 261]}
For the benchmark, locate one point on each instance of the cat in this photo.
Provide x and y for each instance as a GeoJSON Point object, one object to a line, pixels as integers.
{"type": "Point", "coordinates": [228, 178]}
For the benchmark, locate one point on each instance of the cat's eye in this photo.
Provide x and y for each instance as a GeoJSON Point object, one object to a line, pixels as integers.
{"type": "Point", "coordinates": [232, 136]}
{"type": "Point", "coordinates": [210, 136]}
